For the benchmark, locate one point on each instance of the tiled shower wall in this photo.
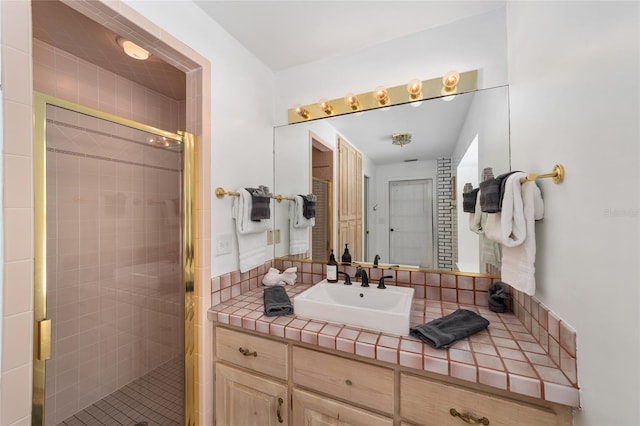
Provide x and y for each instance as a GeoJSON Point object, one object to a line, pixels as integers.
{"type": "Point", "coordinates": [104, 304]}
{"type": "Point", "coordinates": [65, 76]}
{"type": "Point", "coordinates": [113, 266]}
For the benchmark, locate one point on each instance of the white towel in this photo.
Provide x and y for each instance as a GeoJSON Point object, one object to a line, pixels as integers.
{"type": "Point", "coordinates": [514, 228]}
{"type": "Point", "coordinates": [299, 227]}
{"type": "Point", "coordinates": [490, 251]}
{"type": "Point", "coordinates": [252, 235]}
{"type": "Point", "coordinates": [274, 277]}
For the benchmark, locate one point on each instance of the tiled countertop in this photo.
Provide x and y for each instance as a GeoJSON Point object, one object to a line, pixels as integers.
{"type": "Point", "coordinates": [504, 356]}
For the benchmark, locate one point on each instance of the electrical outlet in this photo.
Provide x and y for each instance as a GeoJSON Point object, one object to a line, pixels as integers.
{"type": "Point", "coordinates": [270, 237]}
{"type": "Point", "coordinates": [222, 244]}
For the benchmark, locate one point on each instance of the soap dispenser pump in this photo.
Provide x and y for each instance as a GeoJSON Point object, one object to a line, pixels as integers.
{"type": "Point", "coordinates": [346, 256]}
{"type": "Point", "coordinates": [332, 269]}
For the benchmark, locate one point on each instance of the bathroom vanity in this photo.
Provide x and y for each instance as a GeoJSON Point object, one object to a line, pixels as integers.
{"type": "Point", "coordinates": [293, 371]}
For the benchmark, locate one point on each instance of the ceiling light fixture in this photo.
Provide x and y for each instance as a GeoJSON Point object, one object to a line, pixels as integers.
{"type": "Point", "coordinates": [381, 95]}
{"type": "Point", "coordinates": [133, 50]}
{"type": "Point", "coordinates": [415, 89]}
{"type": "Point", "coordinates": [325, 106]}
{"type": "Point", "coordinates": [401, 139]}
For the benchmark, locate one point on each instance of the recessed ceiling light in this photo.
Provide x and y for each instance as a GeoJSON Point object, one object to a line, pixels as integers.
{"type": "Point", "coordinates": [133, 50]}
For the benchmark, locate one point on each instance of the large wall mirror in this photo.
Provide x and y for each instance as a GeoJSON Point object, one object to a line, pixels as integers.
{"type": "Point", "coordinates": [409, 195]}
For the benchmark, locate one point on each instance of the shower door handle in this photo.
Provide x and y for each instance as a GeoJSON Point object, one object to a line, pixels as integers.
{"type": "Point", "coordinates": [44, 340]}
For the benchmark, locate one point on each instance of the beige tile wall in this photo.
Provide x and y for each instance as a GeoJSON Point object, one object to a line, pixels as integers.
{"type": "Point", "coordinates": [18, 215]}
{"type": "Point", "coordinates": [65, 76]}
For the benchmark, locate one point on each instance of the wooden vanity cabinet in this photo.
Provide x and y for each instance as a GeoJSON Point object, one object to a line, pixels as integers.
{"type": "Point", "coordinates": [271, 382]}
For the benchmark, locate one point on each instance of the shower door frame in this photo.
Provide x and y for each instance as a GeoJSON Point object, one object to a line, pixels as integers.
{"type": "Point", "coordinates": [42, 325]}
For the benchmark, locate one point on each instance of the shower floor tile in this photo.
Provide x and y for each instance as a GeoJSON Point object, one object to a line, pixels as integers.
{"type": "Point", "coordinates": [155, 399]}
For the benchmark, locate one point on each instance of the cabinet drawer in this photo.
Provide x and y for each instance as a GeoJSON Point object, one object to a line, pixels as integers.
{"type": "Point", "coordinates": [314, 410]}
{"type": "Point", "coordinates": [354, 381]}
{"type": "Point", "coordinates": [255, 353]}
{"type": "Point", "coordinates": [428, 403]}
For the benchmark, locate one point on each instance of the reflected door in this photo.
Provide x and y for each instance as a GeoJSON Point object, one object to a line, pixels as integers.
{"type": "Point", "coordinates": [411, 222]}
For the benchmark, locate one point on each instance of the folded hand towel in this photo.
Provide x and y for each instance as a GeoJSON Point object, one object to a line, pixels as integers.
{"type": "Point", "coordinates": [309, 206]}
{"type": "Point", "coordinates": [498, 297]}
{"type": "Point", "coordinates": [276, 302]}
{"type": "Point", "coordinates": [260, 202]}
{"type": "Point", "coordinates": [514, 228]}
{"type": "Point", "coordinates": [490, 195]}
{"type": "Point", "coordinates": [469, 201]}
{"type": "Point", "coordinates": [443, 332]}
{"type": "Point", "coordinates": [252, 235]}
{"type": "Point", "coordinates": [298, 227]}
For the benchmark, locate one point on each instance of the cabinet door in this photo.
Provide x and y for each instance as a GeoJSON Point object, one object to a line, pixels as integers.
{"type": "Point", "coordinates": [313, 410]}
{"type": "Point", "coordinates": [248, 400]}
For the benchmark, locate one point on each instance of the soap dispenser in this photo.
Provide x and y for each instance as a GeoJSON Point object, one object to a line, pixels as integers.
{"type": "Point", "coordinates": [346, 256]}
{"type": "Point", "coordinates": [332, 269]}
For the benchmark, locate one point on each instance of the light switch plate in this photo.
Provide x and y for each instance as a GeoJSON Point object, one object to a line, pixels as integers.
{"type": "Point", "coordinates": [222, 244]}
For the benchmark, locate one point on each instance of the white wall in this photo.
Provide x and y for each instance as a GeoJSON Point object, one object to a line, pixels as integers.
{"type": "Point", "coordinates": [574, 93]}
{"type": "Point", "coordinates": [475, 43]}
{"type": "Point", "coordinates": [241, 111]}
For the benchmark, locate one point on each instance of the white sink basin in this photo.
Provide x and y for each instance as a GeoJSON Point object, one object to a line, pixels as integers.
{"type": "Point", "coordinates": [385, 310]}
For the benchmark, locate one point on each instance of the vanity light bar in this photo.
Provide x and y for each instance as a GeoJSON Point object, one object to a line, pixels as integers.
{"type": "Point", "coordinates": [433, 88]}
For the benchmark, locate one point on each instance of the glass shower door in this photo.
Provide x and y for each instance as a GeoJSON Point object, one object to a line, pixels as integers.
{"type": "Point", "coordinates": [115, 292]}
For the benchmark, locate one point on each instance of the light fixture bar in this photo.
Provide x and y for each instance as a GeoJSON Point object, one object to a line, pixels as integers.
{"type": "Point", "coordinates": [432, 88]}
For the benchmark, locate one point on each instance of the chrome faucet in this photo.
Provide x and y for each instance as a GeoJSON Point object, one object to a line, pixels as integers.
{"type": "Point", "coordinates": [376, 260]}
{"type": "Point", "coordinates": [364, 279]}
{"type": "Point", "coordinates": [347, 279]}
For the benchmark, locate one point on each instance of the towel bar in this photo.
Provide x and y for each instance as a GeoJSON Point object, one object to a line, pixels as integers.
{"type": "Point", "coordinates": [220, 193]}
{"type": "Point", "coordinates": [557, 174]}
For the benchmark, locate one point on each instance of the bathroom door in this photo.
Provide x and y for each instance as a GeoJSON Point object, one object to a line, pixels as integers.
{"type": "Point", "coordinates": [411, 222]}
{"type": "Point", "coordinates": [114, 263]}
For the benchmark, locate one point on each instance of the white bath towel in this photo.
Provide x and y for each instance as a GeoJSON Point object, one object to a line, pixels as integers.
{"type": "Point", "coordinates": [514, 228]}
{"type": "Point", "coordinates": [252, 235]}
{"type": "Point", "coordinates": [299, 227]}
{"type": "Point", "coordinates": [490, 251]}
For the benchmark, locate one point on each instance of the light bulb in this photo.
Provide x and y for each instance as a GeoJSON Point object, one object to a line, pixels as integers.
{"type": "Point", "coordinates": [352, 101]}
{"type": "Point", "coordinates": [381, 95]}
{"type": "Point", "coordinates": [450, 80]}
{"type": "Point", "coordinates": [325, 106]}
{"type": "Point", "coordinates": [302, 112]}
{"type": "Point", "coordinates": [414, 88]}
